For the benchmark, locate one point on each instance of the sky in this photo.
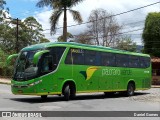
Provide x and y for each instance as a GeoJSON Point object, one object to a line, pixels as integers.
{"type": "Point", "coordinates": [131, 21]}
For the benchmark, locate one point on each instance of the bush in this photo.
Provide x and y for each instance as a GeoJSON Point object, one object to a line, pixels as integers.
{"type": "Point", "coordinates": [6, 71]}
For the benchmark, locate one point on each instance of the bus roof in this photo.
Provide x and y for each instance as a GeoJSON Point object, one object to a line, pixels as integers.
{"type": "Point", "coordinates": [73, 44]}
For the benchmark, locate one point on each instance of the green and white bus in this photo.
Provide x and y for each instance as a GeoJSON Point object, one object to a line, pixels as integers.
{"type": "Point", "coordinates": [70, 68]}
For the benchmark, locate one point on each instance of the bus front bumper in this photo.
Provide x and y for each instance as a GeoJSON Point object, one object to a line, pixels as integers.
{"type": "Point", "coordinates": [25, 87]}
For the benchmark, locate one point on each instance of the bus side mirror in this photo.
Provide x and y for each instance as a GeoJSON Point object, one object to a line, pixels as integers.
{"type": "Point", "coordinates": [10, 58]}
{"type": "Point", "coordinates": [38, 54]}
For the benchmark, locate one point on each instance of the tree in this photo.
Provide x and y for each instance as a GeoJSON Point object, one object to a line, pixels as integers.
{"type": "Point", "coordinates": [69, 36]}
{"type": "Point", "coordinates": [61, 6]}
{"type": "Point", "coordinates": [5, 71]}
{"type": "Point", "coordinates": [7, 38]}
{"type": "Point", "coordinates": [151, 34]}
{"type": "Point", "coordinates": [84, 38]}
{"type": "Point", "coordinates": [3, 11]}
{"type": "Point", "coordinates": [126, 44]}
{"type": "Point", "coordinates": [34, 30]}
{"type": "Point", "coordinates": [2, 58]}
{"type": "Point", "coordinates": [103, 27]}
{"type": "Point", "coordinates": [44, 40]}
{"type": "Point", "coordinates": [29, 33]}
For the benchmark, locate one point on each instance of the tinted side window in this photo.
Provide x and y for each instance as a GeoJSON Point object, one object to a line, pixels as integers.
{"type": "Point", "coordinates": [144, 62]}
{"type": "Point", "coordinates": [75, 56]}
{"type": "Point", "coordinates": [134, 62]}
{"type": "Point", "coordinates": [122, 60]}
{"type": "Point", "coordinates": [90, 57]}
{"type": "Point", "coordinates": [56, 53]}
{"type": "Point", "coordinates": [108, 59]}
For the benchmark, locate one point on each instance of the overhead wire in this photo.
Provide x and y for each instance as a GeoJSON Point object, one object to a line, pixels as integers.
{"type": "Point", "coordinates": [111, 15]}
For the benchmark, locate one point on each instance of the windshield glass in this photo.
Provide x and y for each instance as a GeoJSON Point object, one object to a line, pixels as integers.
{"type": "Point", "coordinates": [25, 69]}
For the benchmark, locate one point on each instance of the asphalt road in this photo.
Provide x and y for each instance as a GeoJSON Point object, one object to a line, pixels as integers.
{"type": "Point", "coordinates": [142, 101]}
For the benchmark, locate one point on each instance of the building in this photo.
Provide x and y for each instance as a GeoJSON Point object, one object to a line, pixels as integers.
{"type": "Point", "coordinates": [155, 70]}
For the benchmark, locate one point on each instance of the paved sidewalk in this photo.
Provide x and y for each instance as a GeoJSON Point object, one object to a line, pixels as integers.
{"type": "Point", "coordinates": [5, 81]}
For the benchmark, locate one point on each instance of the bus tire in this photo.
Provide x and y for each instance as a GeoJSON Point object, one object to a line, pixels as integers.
{"type": "Point", "coordinates": [130, 89]}
{"type": "Point", "coordinates": [43, 97]}
{"type": "Point", "coordinates": [72, 92]}
{"type": "Point", "coordinates": [66, 92]}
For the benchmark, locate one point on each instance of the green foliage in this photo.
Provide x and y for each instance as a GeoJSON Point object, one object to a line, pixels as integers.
{"type": "Point", "coordinates": [7, 38]}
{"type": "Point", "coordinates": [4, 69]}
{"type": "Point", "coordinates": [2, 58]}
{"type": "Point", "coordinates": [151, 34]}
{"type": "Point", "coordinates": [3, 10]}
{"type": "Point", "coordinates": [69, 36]}
{"type": "Point", "coordinates": [126, 44]}
{"type": "Point", "coordinates": [44, 40]}
{"type": "Point", "coordinates": [29, 32]}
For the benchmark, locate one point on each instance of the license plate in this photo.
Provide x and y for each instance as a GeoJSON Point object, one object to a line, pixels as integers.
{"type": "Point", "coordinates": [20, 91]}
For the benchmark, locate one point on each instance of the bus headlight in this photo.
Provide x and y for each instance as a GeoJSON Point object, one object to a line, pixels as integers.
{"type": "Point", "coordinates": [31, 84]}
{"type": "Point", "coordinates": [35, 83]}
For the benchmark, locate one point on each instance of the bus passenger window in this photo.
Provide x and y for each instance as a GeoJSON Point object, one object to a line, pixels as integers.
{"type": "Point", "coordinates": [122, 60]}
{"type": "Point", "coordinates": [107, 59]}
{"type": "Point", "coordinates": [90, 57]}
{"type": "Point", "coordinates": [144, 62]}
{"type": "Point", "coordinates": [134, 61]}
{"type": "Point", "coordinates": [75, 56]}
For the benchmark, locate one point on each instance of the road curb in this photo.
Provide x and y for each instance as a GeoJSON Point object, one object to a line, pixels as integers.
{"type": "Point", "coordinates": [7, 83]}
{"type": "Point", "coordinates": [155, 86]}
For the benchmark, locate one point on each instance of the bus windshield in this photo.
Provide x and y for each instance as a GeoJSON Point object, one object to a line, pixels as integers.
{"type": "Point", "coordinates": [25, 68]}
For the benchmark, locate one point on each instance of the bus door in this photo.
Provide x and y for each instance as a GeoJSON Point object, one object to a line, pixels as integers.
{"type": "Point", "coordinates": [46, 66]}
{"type": "Point", "coordinates": [48, 69]}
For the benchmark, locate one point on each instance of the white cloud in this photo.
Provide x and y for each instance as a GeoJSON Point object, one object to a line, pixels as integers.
{"type": "Point", "coordinates": [114, 6]}
{"type": "Point", "coordinates": [31, 0]}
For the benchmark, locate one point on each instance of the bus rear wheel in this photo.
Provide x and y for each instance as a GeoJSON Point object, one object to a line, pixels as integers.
{"type": "Point", "coordinates": [66, 92]}
{"type": "Point", "coordinates": [130, 89]}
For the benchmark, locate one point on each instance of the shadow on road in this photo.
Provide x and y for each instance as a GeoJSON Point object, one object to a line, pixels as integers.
{"type": "Point", "coordinates": [38, 99]}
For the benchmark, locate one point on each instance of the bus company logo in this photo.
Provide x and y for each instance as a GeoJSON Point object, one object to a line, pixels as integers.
{"type": "Point", "coordinates": [89, 72]}
{"type": "Point", "coordinates": [111, 72]}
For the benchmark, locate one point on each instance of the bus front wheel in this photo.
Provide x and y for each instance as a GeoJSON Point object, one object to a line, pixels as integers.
{"type": "Point", "coordinates": [66, 92]}
{"type": "Point", "coordinates": [130, 89]}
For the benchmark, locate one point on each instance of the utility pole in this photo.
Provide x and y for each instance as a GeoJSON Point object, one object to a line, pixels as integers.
{"type": "Point", "coordinates": [17, 23]}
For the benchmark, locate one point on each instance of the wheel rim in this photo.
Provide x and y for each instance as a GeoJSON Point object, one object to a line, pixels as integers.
{"type": "Point", "coordinates": [130, 90]}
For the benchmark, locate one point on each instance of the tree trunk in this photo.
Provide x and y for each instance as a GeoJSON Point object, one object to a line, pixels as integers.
{"type": "Point", "coordinates": [65, 25]}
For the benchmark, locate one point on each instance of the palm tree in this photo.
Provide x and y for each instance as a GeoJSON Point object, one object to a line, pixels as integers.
{"type": "Point", "coordinates": [61, 6]}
